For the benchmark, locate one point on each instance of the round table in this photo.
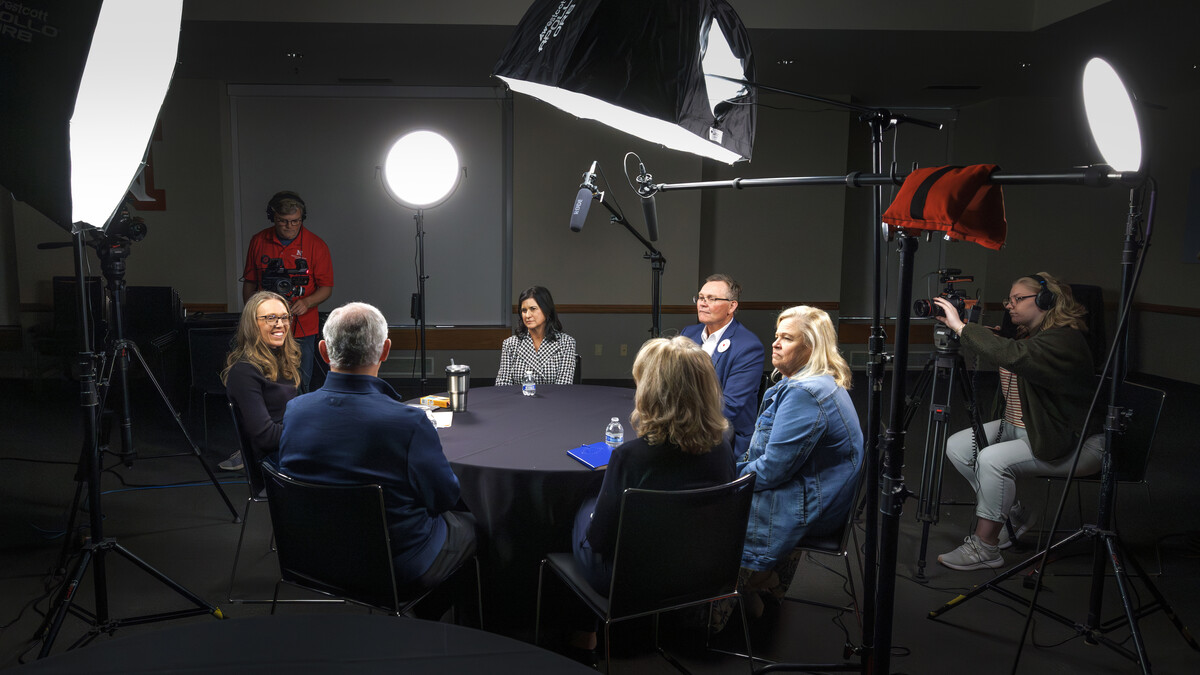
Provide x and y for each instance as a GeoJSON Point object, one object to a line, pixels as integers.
{"type": "Point", "coordinates": [510, 454]}
{"type": "Point", "coordinates": [309, 643]}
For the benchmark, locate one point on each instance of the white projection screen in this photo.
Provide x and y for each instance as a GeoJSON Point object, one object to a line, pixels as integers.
{"type": "Point", "coordinates": [326, 143]}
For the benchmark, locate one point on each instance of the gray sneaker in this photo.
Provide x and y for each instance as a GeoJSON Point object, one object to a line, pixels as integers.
{"type": "Point", "coordinates": [1022, 520]}
{"type": "Point", "coordinates": [972, 555]}
{"type": "Point", "coordinates": [234, 463]}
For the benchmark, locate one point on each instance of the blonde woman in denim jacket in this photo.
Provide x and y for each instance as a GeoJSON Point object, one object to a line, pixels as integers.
{"type": "Point", "coordinates": [807, 450]}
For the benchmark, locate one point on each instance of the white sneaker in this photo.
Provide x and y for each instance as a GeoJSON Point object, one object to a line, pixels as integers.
{"type": "Point", "coordinates": [972, 555]}
{"type": "Point", "coordinates": [234, 463]}
{"type": "Point", "coordinates": [1022, 520]}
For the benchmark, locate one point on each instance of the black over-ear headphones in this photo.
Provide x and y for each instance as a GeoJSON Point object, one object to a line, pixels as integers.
{"type": "Point", "coordinates": [1045, 297]}
{"type": "Point", "coordinates": [277, 201]}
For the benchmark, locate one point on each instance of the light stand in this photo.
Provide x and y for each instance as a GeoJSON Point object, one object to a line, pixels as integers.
{"type": "Point", "coordinates": [421, 171]}
{"type": "Point", "coordinates": [98, 547]}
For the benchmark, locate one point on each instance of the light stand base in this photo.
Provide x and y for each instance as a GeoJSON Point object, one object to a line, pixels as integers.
{"type": "Point", "coordinates": [48, 633]}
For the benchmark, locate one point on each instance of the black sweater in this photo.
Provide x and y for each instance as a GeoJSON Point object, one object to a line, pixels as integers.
{"type": "Point", "coordinates": [261, 403]}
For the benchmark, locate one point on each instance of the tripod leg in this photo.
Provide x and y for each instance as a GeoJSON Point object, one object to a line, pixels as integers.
{"type": "Point", "coordinates": [183, 429]}
{"type": "Point", "coordinates": [53, 622]}
{"type": "Point", "coordinates": [1160, 601]}
{"type": "Point", "coordinates": [1123, 587]}
{"type": "Point", "coordinates": [169, 583]}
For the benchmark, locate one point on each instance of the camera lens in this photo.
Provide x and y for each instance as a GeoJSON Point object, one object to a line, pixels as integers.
{"type": "Point", "coordinates": [923, 308]}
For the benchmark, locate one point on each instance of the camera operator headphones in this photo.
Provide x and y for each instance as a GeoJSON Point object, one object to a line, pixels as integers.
{"type": "Point", "coordinates": [1045, 297]}
{"type": "Point", "coordinates": [277, 201]}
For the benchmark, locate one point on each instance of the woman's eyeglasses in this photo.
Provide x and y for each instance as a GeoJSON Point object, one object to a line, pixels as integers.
{"type": "Point", "coordinates": [1012, 302]}
{"type": "Point", "coordinates": [276, 318]}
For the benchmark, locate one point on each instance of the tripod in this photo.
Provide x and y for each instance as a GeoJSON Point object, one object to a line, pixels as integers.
{"type": "Point", "coordinates": [97, 549]}
{"type": "Point", "coordinates": [1107, 545]}
{"type": "Point", "coordinates": [115, 362]}
{"type": "Point", "coordinates": [942, 372]}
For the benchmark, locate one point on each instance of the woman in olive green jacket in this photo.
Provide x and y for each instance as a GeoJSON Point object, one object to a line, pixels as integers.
{"type": "Point", "coordinates": [1046, 380]}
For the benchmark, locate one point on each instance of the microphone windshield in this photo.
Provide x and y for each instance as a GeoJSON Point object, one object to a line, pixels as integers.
{"type": "Point", "coordinates": [583, 202]}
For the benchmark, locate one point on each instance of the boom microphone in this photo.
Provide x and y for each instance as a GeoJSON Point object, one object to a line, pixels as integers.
{"type": "Point", "coordinates": [583, 200]}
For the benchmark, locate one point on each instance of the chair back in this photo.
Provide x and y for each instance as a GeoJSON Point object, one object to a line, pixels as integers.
{"type": "Point", "coordinates": [250, 458]}
{"type": "Point", "coordinates": [678, 547]}
{"type": "Point", "coordinates": [578, 377]}
{"type": "Point", "coordinates": [332, 539]}
{"type": "Point", "coordinates": [207, 349]}
{"type": "Point", "coordinates": [1131, 450]}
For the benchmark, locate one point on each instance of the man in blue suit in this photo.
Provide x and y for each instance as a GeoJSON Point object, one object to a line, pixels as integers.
{"type": "Point", "coordinates": [737, 354]}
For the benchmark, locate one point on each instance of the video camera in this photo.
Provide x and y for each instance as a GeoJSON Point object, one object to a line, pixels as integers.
{"type": "Point", "coordinates": [967, 306]}
{"type": "Point", "coordinates": [279, 279]}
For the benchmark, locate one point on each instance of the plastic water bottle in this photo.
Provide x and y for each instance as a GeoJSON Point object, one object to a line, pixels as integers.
{"type": "Point", "coordinates": [614, 434]}
{"type": "Point", "coordinates": [528, 385]}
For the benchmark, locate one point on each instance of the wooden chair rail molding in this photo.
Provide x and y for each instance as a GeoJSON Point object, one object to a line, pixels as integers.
{"type": "Point", "coordinates": [490, 337]}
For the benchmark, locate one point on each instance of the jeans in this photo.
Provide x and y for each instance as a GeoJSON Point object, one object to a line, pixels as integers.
{"type": "Point", "coordinates": [308, 352]}
{"type": "Point", "coordinates": [993, 475]}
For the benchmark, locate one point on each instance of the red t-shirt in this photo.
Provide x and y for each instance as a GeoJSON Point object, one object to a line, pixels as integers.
{"type": "Point", "coordinates": [306, 245]}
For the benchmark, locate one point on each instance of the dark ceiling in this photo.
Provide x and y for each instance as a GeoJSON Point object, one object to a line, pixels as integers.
{"type": "Point", "coordinates": [1152, 42]}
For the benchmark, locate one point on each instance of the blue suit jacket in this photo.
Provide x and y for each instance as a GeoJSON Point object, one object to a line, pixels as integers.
{"type": "Point", "coordinates": [739, 370]}
{"type": "Point", "coordinates": [355, 429]}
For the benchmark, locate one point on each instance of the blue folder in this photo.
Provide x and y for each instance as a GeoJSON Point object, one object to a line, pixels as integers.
{"type": "Point", "coordinates": [593, 455]}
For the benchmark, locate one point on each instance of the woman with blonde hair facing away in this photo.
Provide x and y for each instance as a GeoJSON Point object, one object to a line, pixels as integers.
{"type": "Point", "coordinates": [681, 445]}
{"type": "Point", "coordinates": [807, 450]}
{"type": "Point", "coordinates": [261, 374]}
{"type": "Point", "coordinates": [1046, 382]}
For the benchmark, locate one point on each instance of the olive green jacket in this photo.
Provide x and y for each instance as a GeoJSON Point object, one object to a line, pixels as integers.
{"type": "Point", "coordinates": [1054, 381]}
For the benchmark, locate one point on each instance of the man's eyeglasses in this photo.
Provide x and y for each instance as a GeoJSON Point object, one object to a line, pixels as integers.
{"type": "Point", "coordinates": [273, 319]}
{"type": "Point", "coordinates": [1011, 302]}
{"type": "Point", "coordinates": [709, 299]}
{"type": "Point", "coordinates": [289, 221]}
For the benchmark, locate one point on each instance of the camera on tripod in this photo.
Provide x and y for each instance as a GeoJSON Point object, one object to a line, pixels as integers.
{"type": "Point", "coordinates": [967, 306]}
{"type": "Point", "coordinates": [279, 279]}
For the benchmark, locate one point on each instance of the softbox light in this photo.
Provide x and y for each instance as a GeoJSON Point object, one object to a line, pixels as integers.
{"type": "Point", "coordinates": [641, 67]}
{"type": "Point", "coordinates": [83, 83]}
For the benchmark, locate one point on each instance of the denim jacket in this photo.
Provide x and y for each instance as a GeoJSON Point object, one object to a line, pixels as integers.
{"type": "Point", "coordinates": [807, 450]}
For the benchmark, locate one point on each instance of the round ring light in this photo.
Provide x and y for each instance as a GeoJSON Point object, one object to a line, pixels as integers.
{"type": "Point", "coordinates": [421, 169]}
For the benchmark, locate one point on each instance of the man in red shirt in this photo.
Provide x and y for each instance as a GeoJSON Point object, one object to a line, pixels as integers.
{"type": "Point", "coordinates": [289, 241]}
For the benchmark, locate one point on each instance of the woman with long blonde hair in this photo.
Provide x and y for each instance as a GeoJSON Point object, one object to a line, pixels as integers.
{"type": "Point", "coordinates": [807, 450]}
{"type": "Point", "coordinates": [1046, 382]}
{"type": "Point", "coordinates": [261, 374]}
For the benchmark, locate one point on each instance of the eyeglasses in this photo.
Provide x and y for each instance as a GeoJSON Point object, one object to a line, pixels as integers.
{"type": "Point", "coordinates": [289, 221]}
{"type": "Point", "coordinates": [1011, 302]}
{"type": "Point", "coordinates": [276, 318]}
{"type": "Point", "coordinates": [709, 299]}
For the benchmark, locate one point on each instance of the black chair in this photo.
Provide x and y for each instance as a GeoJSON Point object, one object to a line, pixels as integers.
{"type": "Point", "coordinates": [333, 539]}
{"type": "Point", "coordinates": [207, 349]}
{"type": "Point", "coordinates": [674, 549]}
{"type": "Point", "coordinates": [836, 543]}
{"type": "Point", "coordinates": [1131, 450]}
{"type": "Point", "coordinates": [578, 378]}
{"type": "Point", "coordinates": [257, 494]}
